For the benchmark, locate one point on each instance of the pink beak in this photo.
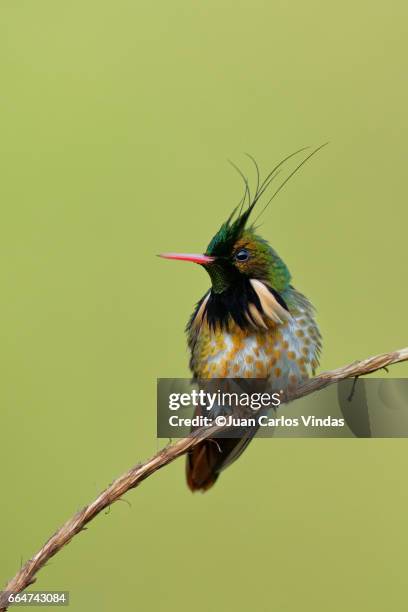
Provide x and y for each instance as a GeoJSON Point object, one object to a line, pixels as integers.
{"type": "Point", "coordinates": [200, 259]}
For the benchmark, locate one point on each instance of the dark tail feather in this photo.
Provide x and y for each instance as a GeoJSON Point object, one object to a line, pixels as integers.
{"type": "Point", "coordinates": [206, 460]}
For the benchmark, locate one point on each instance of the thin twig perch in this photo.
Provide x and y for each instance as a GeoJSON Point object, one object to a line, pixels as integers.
{"type": "Point", "coordinates": [132, 478]}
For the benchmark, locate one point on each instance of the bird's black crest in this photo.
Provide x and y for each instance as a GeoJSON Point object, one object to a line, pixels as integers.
{"type": "Point", "coordinates": [230, 231]}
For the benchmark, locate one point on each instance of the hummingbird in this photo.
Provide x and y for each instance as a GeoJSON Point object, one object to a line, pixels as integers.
{"type": "Point", "coordinates": [251, 323]}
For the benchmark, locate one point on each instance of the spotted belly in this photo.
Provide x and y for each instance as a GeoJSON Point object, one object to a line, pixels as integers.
{"type": "Point", "coordinates": [286, 353]}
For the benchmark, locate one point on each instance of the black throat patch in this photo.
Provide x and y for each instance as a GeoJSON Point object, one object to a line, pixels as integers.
{"type": "Point", "coordinates": [233, 304]}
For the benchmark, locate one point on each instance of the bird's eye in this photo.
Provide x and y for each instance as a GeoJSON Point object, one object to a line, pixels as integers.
{"type": "Point", "coordinates": [242, 255]}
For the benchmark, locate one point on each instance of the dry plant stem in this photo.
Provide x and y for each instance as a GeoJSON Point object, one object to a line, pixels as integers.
{"type": "Point", "coordinates": [135, 475]}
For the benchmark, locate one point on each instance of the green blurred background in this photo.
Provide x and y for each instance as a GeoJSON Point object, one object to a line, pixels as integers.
{"type": "Point", "coordinates": [117, 119]}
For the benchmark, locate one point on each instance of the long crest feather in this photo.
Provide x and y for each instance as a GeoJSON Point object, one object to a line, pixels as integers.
{"type": "Point", "coordinates": [290, 176]}
{"type": "Point", "coordinates": [229, 232]}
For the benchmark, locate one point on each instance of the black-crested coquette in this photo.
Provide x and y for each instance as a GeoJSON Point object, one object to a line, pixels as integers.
{"type": "Point", "coordinates": [252, 322]}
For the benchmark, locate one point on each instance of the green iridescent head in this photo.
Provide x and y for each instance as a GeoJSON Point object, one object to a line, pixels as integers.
{"type": "Point", "coordinates": [238, 251]}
